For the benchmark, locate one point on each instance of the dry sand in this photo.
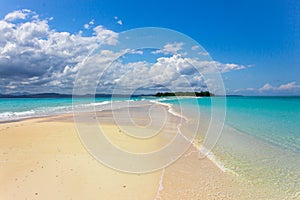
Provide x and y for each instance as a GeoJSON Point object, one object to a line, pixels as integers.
{"type": "Point", "coordinates": [43, 158]}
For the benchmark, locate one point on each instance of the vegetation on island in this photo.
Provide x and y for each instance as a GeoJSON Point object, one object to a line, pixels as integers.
{"type": "Point", "coordinates": [195, 94]}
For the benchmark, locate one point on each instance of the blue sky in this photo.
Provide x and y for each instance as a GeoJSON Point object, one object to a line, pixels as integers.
{"type": "Point", "coordinates": [262, 35]}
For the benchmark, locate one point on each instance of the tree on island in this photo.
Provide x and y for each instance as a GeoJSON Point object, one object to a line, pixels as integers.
{"type": "Point", "coordinates": [197, 94]}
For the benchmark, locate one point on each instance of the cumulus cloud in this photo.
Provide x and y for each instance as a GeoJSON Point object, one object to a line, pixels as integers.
{"type": "Point", "coordinates": [270, 89]}
{"type": "Point", "coordinates": [30, 48]}
{"type": "Point", "coordinates": [283, 87]}
{"type": "Point", "coordinates": [105, 36]}
{"type": "Point", "coordinates": [18, 14]}
{"type": "Point", "coordinates": [289, 86]}
{"type": "Point", "coordinates": [228, 66]}
{"type": "Point", "coordinates": [170, 48]}
{"type": "Point", "coordinates": [166, 72]}
{"type": "Point", "coordinates": [36, 58]}
{"type": "Point", "coordinates": [214, 66]}
{"type": "Point", "coordinates": [266, 87]}
{"type": "Point", "coordinates": [175, 72]}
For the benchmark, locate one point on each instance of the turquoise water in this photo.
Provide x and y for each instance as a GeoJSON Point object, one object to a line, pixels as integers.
{"type": "Point", "coordinates": [260, 141]}
{"type": "Point", "coordinates": [272, 119]}
{"type": "Point", "coordinates": [20, 108]}
{"type": "Point", "coordinates": [276, 120]}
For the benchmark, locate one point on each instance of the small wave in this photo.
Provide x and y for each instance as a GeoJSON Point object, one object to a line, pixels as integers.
{"type": "Point", "coordinates": [92, 104]}
{"type": "Point", "coordinates": [77, 106]}
{"type": "Point", "coordinates": [50, 111]}
{"type": "Point", "coordinates": [160, 186]}
{"type": "Point", "coordinates": [210, 155]}
{"type": "Point", "coordinates": [11, 115]}
{"type": "Point", "coordinates": [170, 109]}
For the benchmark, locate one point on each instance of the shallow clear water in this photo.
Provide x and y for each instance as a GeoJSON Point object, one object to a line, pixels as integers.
{"type": "Point", "coordinates": [260, 141]}
{"type": "Point", "coordinates": [273, 119]}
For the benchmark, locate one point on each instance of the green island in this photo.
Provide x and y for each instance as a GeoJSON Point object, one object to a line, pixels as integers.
{"type": "Point", "coordinates": [196, 94]}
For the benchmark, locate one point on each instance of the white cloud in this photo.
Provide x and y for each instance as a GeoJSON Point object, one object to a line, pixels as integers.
{"type": "Point", "coordinates": [88, 25]}
{"type": "Point", "coordinates": [215, 66]}
{"type": "Point", "coordinates": [11, 86]}
{"type": "Point", "coordinates": [31, 49]}
{"type": "Point", "coordinates": [170, 48]}
{"type": "Point", "coordinates": [203, 53]}
{"type": "Point", "coordinates": [195, 47]}
{"type": "Point", "coordinates": [174, 72]}
{"type": "Point", "coordinates": [289, 86]}
{"type": "Point", "coordinates": [120, 22]}
{"type": "Point", "coordinates": [92, 22]}
{"type": "Point", "coordinates": [105, 35]}
{"type": "Point", "coordinates": [229, 67]}
{"type": "Point", "coordinates": [266, 87]}
{"type": "Point", "coordinates": [18, 14]}
{"type": "Point", "coordinates": [245, 89]}
{"type": "Point", "coordinates": [200, 50]}
{"type": "Point", "coordinates": [270, 89]}
{"type": "Point", "coordinates": [36, 58]}
{"type": "Point", "coordinates": [283, 87]}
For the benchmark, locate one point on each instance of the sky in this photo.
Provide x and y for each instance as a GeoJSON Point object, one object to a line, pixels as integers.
{"type": "Point", "coordinates": [254, 44]}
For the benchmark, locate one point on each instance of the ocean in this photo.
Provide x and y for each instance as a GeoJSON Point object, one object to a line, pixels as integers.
{"type": "Point", "coordinates": [275, 120]}
{"type": "Point", "coordinates": [259, 142]}
{"type": "Point", "coordinates": [260, 139]}
{"type": "Point", "coordinates": [12, 109]}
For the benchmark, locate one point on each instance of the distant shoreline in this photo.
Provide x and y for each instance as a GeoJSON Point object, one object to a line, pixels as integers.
{"type": "Point", "coordinates": [58, 95]}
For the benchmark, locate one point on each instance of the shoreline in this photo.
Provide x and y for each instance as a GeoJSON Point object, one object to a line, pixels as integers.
{"type": "Point", "coordinates": [221, 161]}
{"type": "Point", "coordinates": [199, 147]}
{"type": "Point", "coordinates": [57, 138]}
{"type": "Point", "coordinates": [209, 154]}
